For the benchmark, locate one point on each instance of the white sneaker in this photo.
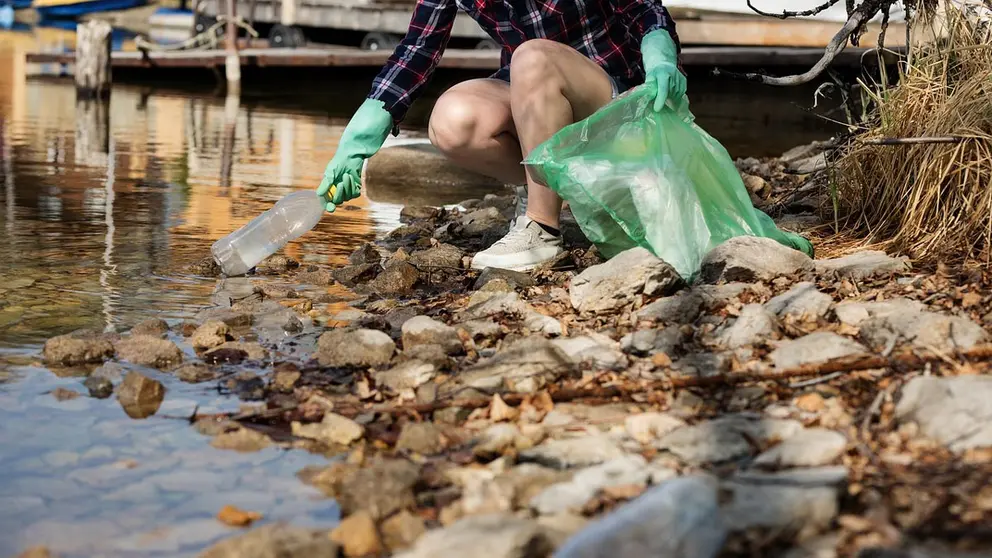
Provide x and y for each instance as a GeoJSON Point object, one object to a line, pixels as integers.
{"type": "Point", "coordinates": [525, 247]}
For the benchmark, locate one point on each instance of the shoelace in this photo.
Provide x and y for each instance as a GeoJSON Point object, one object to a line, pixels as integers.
{"type": "Point", "coordinates": [515, 233]}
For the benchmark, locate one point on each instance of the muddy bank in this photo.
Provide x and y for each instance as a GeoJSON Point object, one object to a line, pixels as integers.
{"type": "Point", "coordinates": [779, 406]}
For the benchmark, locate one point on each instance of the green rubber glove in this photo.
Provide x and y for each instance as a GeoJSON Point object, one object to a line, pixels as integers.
{"type": "Point", "coordinates": [362, 138]}
{"type": "Point", "coordinates": [660, 57]}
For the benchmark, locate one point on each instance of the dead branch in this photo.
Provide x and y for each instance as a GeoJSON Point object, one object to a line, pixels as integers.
{"type": "Point", "coordinates": [912, 141]}
{"type": "Point", "coordinates": [787, 14]}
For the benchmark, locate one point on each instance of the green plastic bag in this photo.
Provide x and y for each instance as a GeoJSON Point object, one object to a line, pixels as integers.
{"type": "Point", "coordinates": [634, 177]}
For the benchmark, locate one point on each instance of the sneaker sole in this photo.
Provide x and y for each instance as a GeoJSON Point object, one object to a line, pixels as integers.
{"type": "Point", "coordinates": [509, 263]}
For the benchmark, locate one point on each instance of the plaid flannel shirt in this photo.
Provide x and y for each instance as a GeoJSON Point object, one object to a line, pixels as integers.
{"type": "Point", "coordinates": [608, 32]}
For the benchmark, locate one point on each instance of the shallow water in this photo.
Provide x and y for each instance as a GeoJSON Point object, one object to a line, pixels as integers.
{"type": "Point", "coordinates": [101, 240]}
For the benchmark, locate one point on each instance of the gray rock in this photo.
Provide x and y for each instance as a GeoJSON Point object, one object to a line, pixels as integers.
{"type": "Point", "coordinates": [367, 253]}
{"type": "Point", "coordinates": [785, 507]}
{"type": "Point", "coordinates": [424, 438]}
{"type": "Point", "coordinates": [497, 535]}
{"type": "Point", "coordinates": [685, 306]}
{"type": "Point", "coordinates": [808, 165]}
{"type": "Point", "coordinates": [926, 330]}
{"type": "Point", "coordinates": [441, 257]}
{"type": "Point", "coordinates": [751, 258]}
{"type": "Point", "coordinates": [802, 301]}
{"type": "Point", "coordinates": [540, 323]}
{"type": "Point", "coordinates": [399, 316]}
{"type": "Point", "coordinates": [398, 278]}
{"type": "Point", "coordinates": [99, 387]}
{"type": "Point", "coordinates": [406, 375]}
{"type": "Point", "coordinates": [725, 439]}
{"type": "Point", "coordinates": [833, 475]}
{"type": "Point", "coordinates": [382, 487]}
{"type": "Point", "coordinates": [155, 327]}
{"type": "Point", "coordinates": [573, 452]}
{"type": "Point", "coordinates": [195, 373]}
{"type": "Point", "coordinates": [483, 222]}
{"type": "Point", "coordinates": [516, 279]}
{"type": "Point", "coordinates": [597, 349]}
{"type": "Point", "coordinates": [755, 324]}
{"type": "Point", "coordinates": [351, 275]}
{"type": "Point", "coordinates": [480, 329]}
{"type": "Point", "coordinates": [333, 429]}
{"type": "Point", "coordinates": [315, 276]}
{"type": "Point", "coordinates": [810, 448]}
{"type": "Point", "coordinates": [77, 348]}
{"type": "Point", "coordinates": [252, 351]}
{"type": "Point", "coordinates": [853, 313]}
{"type": "Point", "coordinates": [956, 411]}
{"type": "Point", "coordinates": [862, 265]}
{"type": "Point", "coordinates": [418, 213]}
{"type": "Point", "coordinates": [226, 315]}
{"type": "Point", "coordinates": [820, 346]}
{"type": "Point", "coordinates": [492, 305]}
{"type": "Point", "coordinates": [276, 264]}
{"type": "Point", "coordinates": [704, 363]}
{"type": "Point", "coordinates": [572, 495]}
{"type": "Point", "coordinates": [211, 334]}
{"type": "Point", "coordinates": [274, 540]}
{"type": "Point", "coordinates": [139, 395]}
{"type": "Point", "coordinates": [111, 371]}
{"type": "Point", "coordinates": [617, 282]}
{"type": "Point", "coordinates": [525, 366]}
{"type": "Point", "coordinates": [146, 350]}
{"type": "Point", "coordinates": [679, 518]}
{"type": "Point", "coordinates": [423, 330]}
{"type": "Point", "coordinates": [362, 347]}
{"type": "Point", "coordinates": [645, 342]}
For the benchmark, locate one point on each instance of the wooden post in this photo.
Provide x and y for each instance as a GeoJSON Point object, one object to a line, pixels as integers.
{"type": "Point", "coordinates": [93, 73]}
{"type": "Point", "coordinates": [232, 63]}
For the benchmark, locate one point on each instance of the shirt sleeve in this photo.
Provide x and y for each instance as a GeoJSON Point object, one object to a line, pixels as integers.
{"type": "Point", "coordinates": [400, 81]}
{"type": "Point", "coordinates": [645, 16]}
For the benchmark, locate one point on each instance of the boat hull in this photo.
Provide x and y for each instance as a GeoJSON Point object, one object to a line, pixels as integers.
{"type": "Point", "coordinates": [72, 10]}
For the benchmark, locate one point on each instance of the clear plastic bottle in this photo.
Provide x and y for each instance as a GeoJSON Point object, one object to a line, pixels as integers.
{"type": "Point", "coordinates": [290, 218]}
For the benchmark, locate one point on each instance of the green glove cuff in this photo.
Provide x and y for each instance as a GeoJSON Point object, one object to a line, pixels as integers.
{"type": "Point", "coordinates": [658, 49]}
{"type": "Point", "coordinates": [367, 130]}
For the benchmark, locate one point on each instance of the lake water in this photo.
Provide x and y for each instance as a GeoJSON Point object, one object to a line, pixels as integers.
{"type": "Point", "coordinates": [101, 240]}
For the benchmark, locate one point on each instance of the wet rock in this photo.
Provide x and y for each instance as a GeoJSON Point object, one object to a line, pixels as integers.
{"type": "Point", "coordinates": [862, 265]}
{"type": "Point", "coordinates": [596, 349]}
{"type": "Point", "coordinates": [111, 371]}
{"type": "Point", "coordinates": [365, 254]}
{"type": "Point", "coordinates": [242, 439]}
{"type": "Point", "coordinates": [751, 258]}
{"type": "Point", "coordinates": [351, 275]}
{"type": "Point", "coordinates": [406, 375]}
{"type": "Point", "coordinates": [725, 439]}
{"type": "Point", "coordinates": [781, 504]}
{"type": "Point", "coordinates": [686, 305]}
{"type": "Point", "coordinates": [802, 301]}
{"type": "Point", "coordinates": [99, 387]}
{"type": "Point", "coordinates": [246, 386]}
{"type": "Point", "coordinates": [152, 326]}
{"type": "Point", "coordinates": [810, 448]}
{"type": "Point", "coordinates": [614, 284]}
{"type": "Point", "coordinates": [276, 264]}
{"type": "Point", "coordinates": [423, 330]}
{"type": "Point", "coordinates": [357, 535]}
{"type": "Point", "coordinates": [285, 377]}
{"type": "Point", "coordinates": [384, 487]}
{"type": "Point", "coordinates": [925, 330]}
{"type": "Point", "coordinates": [77, 348]}
{"type": "Point", "coordinates": [397, 279]}
{"type": "Point", "coordinates": [480, 329]}
{"type": "Point", "coordinates": [571, 496]}
{"type": "Point", "coordinates": [145, 350]}
{"type": "Point", "coordinates": [211, 334]}
{"type": "Point", "coordinates": [63, 394]}
{"type": "Point", "coordinates": [820, 346]}
{"type": "Point", "coordinates": [441, 257]}
{"type": "Point", "coordinates": [498, 535]}
{"type": "Point", "coordinates": [226, 315]}
{"type": "Point", "coordinates": [363, 347]}
{"type": "Point", "coordinates": [525, 366]}
{"type": "Point", "coordinates": [956, 411]}
{"type": "Point", "coordinates": [679, 518]}
{"type": "Point", "coordinates": [252, 351]}
{"type": "Point", "coordinates": [516, 279]}
{"type": "Point", "coordinates": [400, 531]}
{"type": "Point", "coordinates": [483, 222]}
{"type": "Point", "coordinates": [421, 437]}
{"type": "Point", "coordinates": [139, 395]}
{"type": "Point", "coordinates": [418, 213]}
{"type": "Point", "coordinates": [206, 267]}
{"type": "Point", "coordinates": [853, 313]}
{"type": "Point", "coordinates": [649, 427]}
{"type": "Point", "coordinates": [646, 342]}
{"type": "Point", "coordinates": [292, 324]}
{"type": "Point", "coordinates": [274, 540]}
{"type": "Point", "coordinates": [333, 429]}
{"type": "Point", "coordinates": [755, 324]}
{"type": "Point", "coordinates": [573, 452]}
{"type": "Point", "coordinates": [315, 276]}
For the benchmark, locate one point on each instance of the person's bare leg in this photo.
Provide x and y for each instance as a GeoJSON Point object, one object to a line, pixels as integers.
{"type": "Point", "coordinates": [551, 86]}
{"type": "Point", "coordinates": [472, 125]}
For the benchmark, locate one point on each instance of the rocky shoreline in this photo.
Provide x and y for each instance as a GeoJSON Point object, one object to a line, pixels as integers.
{"type": "Point", "coordinates": [778, 406]}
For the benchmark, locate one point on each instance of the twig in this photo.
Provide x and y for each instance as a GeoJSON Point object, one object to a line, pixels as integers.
{"type": "Point", "coordinates": [913, 141]}
{"type": "Point", "coordinates": [787, 14]}
{"type": "Point", "coordinates": [814, 381]}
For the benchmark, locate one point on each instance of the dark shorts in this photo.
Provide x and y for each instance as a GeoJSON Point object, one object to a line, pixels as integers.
{"type": "Point", "coordinates": [620, 86]}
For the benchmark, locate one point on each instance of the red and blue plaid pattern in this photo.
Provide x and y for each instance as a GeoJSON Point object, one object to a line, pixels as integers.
{"type": "Point", "coordinates": [608, 32]}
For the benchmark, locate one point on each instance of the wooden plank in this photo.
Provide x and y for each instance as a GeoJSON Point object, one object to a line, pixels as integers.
{"type": "Point", "coordinates": [759, 31]}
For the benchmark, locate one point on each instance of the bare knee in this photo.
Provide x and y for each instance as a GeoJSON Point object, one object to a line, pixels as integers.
{"type": "Point", "coordinates": [533, 66]}
{"type": "Point", "coordinates": [453, 123]}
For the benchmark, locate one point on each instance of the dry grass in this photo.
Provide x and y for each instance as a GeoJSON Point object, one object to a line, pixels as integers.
{"type": "Point", "coordinates": [931, 201]}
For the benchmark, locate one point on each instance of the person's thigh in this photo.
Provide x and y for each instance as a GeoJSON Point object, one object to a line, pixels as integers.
{"type": "Point", "coordinates": [539, 62]}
